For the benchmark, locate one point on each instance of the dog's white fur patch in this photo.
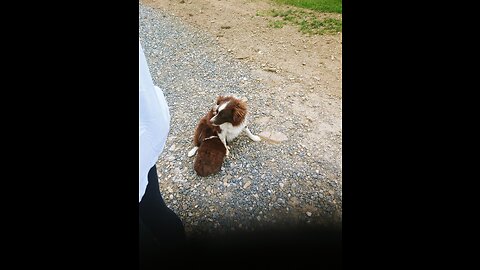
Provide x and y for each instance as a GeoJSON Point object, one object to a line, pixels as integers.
{"type": "Point", "coordinates": [230, 132]}
{"type": "Point", "coordinates": [223, 106]}
{"type": "Point", "coordinates": [251, 136]}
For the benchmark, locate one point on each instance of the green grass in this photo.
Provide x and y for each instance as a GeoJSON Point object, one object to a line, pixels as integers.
{"type": "Point", "coordinates": [330, 6]}
{"type": "Point", "coordinates": [308, 21]}
{"type": "Point", "coordinates": [327, 26]}
{"type": "Point", "coordinates": [276, 24]}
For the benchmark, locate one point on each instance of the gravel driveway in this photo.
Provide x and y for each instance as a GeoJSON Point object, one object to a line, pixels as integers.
{"type": "Point", "coordinates": [261, 184]}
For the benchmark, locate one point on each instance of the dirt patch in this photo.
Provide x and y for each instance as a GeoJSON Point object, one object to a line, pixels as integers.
{"type": "Point", "coordinates": [279, 54]}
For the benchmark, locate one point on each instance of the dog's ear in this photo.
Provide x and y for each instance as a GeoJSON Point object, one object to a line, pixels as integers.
{"type": "Point", "coordinates": [239, 112]}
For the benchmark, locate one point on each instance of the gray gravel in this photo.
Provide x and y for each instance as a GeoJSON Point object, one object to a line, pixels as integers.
{"type": "Point", "coordinates": [261, 184]}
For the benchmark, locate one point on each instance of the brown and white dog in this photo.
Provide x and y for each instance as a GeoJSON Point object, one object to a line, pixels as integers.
{"type": "Point", "coordinates": [228, 118]}
{"type": "Point", "coordinates": [211, 151]}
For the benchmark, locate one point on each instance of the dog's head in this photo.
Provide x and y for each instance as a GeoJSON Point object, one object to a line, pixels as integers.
{"type": "Point", "coordinates": [229, 109]}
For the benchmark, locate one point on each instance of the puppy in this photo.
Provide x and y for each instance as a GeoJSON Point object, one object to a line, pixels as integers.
{"type": "Point", "coordinates": [228, 118]}
{"type": "Point", "coordinates": [211, 150]}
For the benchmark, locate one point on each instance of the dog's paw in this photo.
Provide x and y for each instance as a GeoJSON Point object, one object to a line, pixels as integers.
{"type": "Point", "coordinates": [228, 150]}
{"type": "Point", "coordinates": [256, 138]}
{"type": "Point", "coordinates": [192, 152]}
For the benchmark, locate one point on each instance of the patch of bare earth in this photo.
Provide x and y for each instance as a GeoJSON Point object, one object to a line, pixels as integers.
{"type": "Point", "coordinates": [314, 61]}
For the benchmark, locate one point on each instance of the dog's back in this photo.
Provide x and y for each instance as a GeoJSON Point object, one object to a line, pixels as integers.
{"type": "Point", "coordinates": [210, 156]}
{"type": "Point", "coordinates": [211, 151]}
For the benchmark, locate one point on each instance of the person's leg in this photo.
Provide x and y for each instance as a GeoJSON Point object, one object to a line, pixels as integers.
{"type": "Point", "coordinates": [161, 221]}
{"type": "Point", "coordinates": [149, 248]}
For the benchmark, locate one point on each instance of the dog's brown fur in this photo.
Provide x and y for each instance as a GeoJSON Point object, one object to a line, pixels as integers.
{"type": "Point", "coordinates": [211, 151]}
{"type": "Point", "coordinates": [205, 129]}
{"type": "Point", "coordinates": [210, 156]}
